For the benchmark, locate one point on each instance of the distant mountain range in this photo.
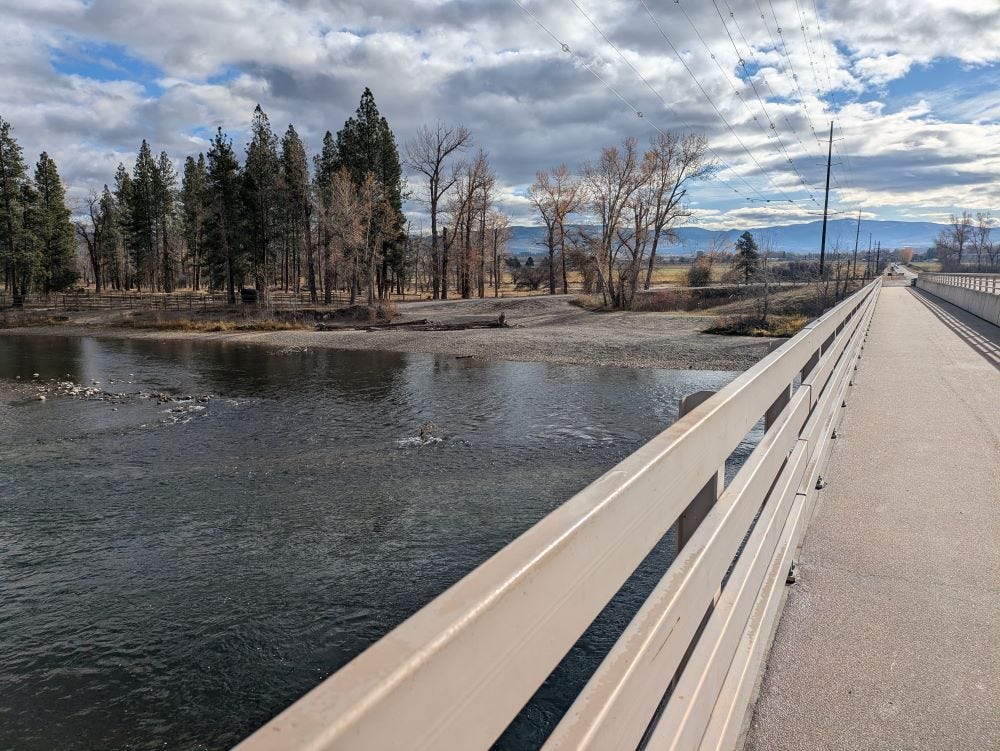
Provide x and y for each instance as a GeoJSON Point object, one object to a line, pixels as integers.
{"type": "Point", "coordinates": [793, 238]}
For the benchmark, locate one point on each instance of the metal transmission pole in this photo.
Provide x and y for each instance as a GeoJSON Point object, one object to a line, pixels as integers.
{"type": "Point", "coordinates": [826, 203]}
{"type": "Point", "coordinates": [857, 235]}
{"type": "Point", "coordinates": [878, 257]}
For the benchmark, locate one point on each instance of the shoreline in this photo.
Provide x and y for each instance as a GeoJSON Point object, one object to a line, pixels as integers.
{"type": "Point", "coordinates": [548, 330]}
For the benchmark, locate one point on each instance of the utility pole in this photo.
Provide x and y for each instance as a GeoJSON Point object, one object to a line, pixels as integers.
{"type": "Point", "coordinates": [868, 258]}
{"type": "Point", "coordinates": [857, 235]}
{"type": "Point", "coordinates": [826, 203]}
{"type": "Point", "coordinates": [878, 257]}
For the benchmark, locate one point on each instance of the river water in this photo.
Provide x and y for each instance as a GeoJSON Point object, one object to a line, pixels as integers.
{"type": "Point", "coordinates": [179, 563]}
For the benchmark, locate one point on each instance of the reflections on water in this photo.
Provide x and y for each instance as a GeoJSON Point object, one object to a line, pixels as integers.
{"type": "Point", "coordinates": [173, 573]}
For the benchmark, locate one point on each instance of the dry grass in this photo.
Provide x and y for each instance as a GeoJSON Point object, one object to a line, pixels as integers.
{"type": "Point", "coordinates": [168, 322]}
{"type": "Point", "coordinates": [749, 325]}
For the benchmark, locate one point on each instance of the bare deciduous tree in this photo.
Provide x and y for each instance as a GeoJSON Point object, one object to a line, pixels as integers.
{"type": "Point", "coordinates": [674, 161]}
{"type": "Point", "coordinates": [427, 154]}
{"type": "Point", "coordinates": [556, 197]}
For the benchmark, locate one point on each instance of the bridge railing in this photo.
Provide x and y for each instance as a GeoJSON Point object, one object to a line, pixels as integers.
{"type": "Point", "coordinates": [978, 294]}
{"type": "Point", "coordinates": [989, 283]}
{"type": "Point", "coordinates": [455, 674]}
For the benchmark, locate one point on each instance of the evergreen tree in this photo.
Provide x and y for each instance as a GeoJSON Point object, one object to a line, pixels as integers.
{"type": "Point", "coordinates": [324, 168]}
{"type": "Point", "coordinates": [164, 201]}
{"type": "Point", "coordinates": [19, 267]}
{"type": "Point", "coordinates": [260, 187]}
{"type": "Point", "coordinates": [224, 255]}
{"type": "Point", "coordinates": [366, 145]}
{"type": "Point", "coordinates": [141, 210]}
{"type": "Point", "coordinates": [194, 201]}
{"type": "Point", "coordinates": [297, 205]}
{"type": "Point", "coordinates": [52, 228]}
{"type": "Point", "coordinates": [109, 242]}
{"type": "Point", "coordinates": [123, 221]}
{"type": "Point", "coordinates": [747, 256]}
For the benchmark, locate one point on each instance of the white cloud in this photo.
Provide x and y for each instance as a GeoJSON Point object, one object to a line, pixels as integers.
{"type": "Point", "coordinates": [530, 104]}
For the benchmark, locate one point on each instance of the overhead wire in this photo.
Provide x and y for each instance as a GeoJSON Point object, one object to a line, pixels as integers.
{"type": "Point", "coordinates": [791, 68]}
{"type": "Point", "coordinates": [746, 71]}
{"type": "Point", "coordinates": [707, 97]}
{"type": "Point", "coordinates": [819, 31]}
{"type": "Point", "coordinates": [566, 48]}
{"type": "Point", "coordinates": [763, 78]}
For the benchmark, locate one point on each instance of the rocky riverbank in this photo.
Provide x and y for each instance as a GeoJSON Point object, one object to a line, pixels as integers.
{"type": "Point", "coordinates": [540, 329]}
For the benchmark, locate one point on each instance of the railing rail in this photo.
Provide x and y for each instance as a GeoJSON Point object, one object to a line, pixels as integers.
{"type": "Point", "coordinates": [989, 283]}
{"type": "Point", "coordinates": [454, 674]}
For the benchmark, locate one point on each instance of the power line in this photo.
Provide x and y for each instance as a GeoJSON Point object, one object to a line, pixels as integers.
{"type": "Point", "coordinates": [791, 68]}
{"type": "Point", "coordinates": [706, 95]}
{"type": "Point", "coordinates": [836, 111]}
{"type": "Point", "coordinates": [760, 100]}
{"type": "Point", "coordinates": [725, 75]}
{"type": "Point", "coordinates": [763, 78]}
{"type": "Point", "coordinates": [566, 48]}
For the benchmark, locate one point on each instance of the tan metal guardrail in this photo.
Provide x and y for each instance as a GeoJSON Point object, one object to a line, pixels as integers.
{"type": "Point", "coordinates": [989, 283]}
{"type": "Point", "coordinates": [454, 675]}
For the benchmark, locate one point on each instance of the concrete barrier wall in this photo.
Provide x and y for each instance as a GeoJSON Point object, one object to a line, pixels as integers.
{"type": "Point", "coordinates": [981, 304]}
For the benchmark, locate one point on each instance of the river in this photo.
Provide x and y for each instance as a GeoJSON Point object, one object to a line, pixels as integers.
{"type": "Point", "coordinates": [218, 527]}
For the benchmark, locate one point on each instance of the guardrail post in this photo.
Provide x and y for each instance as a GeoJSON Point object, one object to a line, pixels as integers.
{"type": "Point", "coordinates": [775, 409]}
{"type": "Point", "coordinates": [703, 501]}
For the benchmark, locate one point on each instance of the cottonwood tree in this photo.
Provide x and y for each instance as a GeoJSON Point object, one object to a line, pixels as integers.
{"type": "Point", "coordinates": [91, 232]}
{"type": "Point", "coordinates": [982, 241]}
{"type": "Point", "coordinates": [610, 182]}
{"type": "Point", "coordinates": [674, 162]}
{"type": "Point", "coordinates": [498, 233]}
{"type": "Point", "coordinates": [469, 207]}
{"type": "Point", "coordinates": [961, 232]}
{"type": "Point", "coordinates": [555, 197]}
{"type": "Point", "coordinates": [429, 153]}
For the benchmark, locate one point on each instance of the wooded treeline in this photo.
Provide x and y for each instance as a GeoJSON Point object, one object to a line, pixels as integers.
{"type": "Point", "coordinates": [270, 222]}
{"type": "Point", "coordinates": [37, 250]}
{"type": "Point", "coordinates": [967, 244]}
{"type": "Point", "coordinates": [635, 197]}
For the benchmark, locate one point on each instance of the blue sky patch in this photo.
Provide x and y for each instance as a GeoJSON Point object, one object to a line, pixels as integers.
{"type": "Point", "coordinates": [106, 62]}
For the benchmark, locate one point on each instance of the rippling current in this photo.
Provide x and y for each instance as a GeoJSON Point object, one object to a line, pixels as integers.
{"type": "Point", "coordinates": [175, 570]}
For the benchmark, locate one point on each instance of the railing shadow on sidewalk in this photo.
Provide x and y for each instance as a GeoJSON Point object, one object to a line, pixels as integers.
{"type": "Point", "coordinates": [982, 336]}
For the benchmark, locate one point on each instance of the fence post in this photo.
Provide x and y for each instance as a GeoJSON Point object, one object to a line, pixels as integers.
{"type": "Point", "coordinates": [703, 501]}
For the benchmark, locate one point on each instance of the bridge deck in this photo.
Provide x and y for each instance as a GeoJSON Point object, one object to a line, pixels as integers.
{"type": "Point", "coordinates": [891, 637]}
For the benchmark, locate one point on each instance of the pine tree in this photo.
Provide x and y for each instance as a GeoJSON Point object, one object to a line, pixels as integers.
{"type": "Point", "coordinates": [109, 244]}
{"type": "Point", "coordinates": [19, 268]}
{"type": "Point", "coordinates": [747, 256]}
{"type": "Point", "coordinates": [53, 229]}
{"type": "Point", "coordinates": [324, 168]}
{"type": "Point", "coordinates": [224, 253]}
{"type": "Point", "coordinates": [260, 187]}
{"type": "Point", "coordinates": [297, 205]}
{"type": "Point", "coordinates": [142, 217]}
{"type": "Point", "coordinates": [164, 201]}
{"type": "Point", "coordinates": [123, 221]}
{"type": "Point", "coordinates": [194, 201]}
{"type": "Point", "coordinates": [366, 145]}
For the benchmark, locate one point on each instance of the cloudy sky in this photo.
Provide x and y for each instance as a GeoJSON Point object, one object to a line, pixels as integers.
{"type": "Point", "coordinates": [913, 88]}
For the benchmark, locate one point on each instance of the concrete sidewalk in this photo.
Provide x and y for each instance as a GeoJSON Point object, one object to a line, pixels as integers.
{"type": "Point", "coordinates": [891, 637]}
